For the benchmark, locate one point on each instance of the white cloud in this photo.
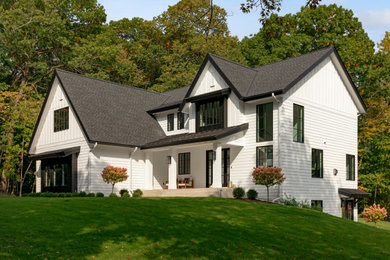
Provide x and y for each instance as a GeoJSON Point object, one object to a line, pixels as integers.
{"type": "Point", "coordinates": [375, 19]}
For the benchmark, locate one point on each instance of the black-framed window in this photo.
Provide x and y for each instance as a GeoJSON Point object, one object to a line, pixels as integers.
{"type": "Point", "coordinates": [264, 156]}
{"type": "Point", "coordinates": [210, 114]}
{"type": "Point", "coordinates": [317, 163]}
{"type": "Point", "coordinates": [298, 123]}
{"type": "Point", "coordinates": [350, 167]}
{"type": "Point", "coordinates": [170, 122]}
{"type": "Point", "coordinates": [317, 204]}
{"type": "Point", "coordinates": [180, 120]}
{"type": "Point", "coordinates": [61, 119]}
{"type": "Point", "coordinates": [184, 161]}
{"type": "Point", "coordinates": [264, 122]}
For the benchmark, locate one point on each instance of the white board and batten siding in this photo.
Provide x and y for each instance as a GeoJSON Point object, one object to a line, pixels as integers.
{"type": "Point", "coordinates": [330, 124]}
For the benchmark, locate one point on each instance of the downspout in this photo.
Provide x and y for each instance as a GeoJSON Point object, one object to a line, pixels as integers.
{"type": "Point", "coordinates": [274, 97]}
{"type": "Point", "coordinates": [89, 166]}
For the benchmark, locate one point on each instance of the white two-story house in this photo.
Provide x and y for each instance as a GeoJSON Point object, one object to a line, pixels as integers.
{"type": "Point", "coordinates": [299, 114]}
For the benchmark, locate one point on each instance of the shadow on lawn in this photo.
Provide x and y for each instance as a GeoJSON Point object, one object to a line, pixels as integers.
{"type": "Point", "coordinates": [182, 228]}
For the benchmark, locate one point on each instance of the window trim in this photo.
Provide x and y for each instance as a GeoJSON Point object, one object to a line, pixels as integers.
{"type": "Point", "coordinates": [184, 167]}
{"type": "Point", "coordinates": [347, 174]}
{"type": "Point", "coordinates": [170, 126]}
{"type": "Point", "coordinates": [321, 173]}
{"type": "Point", "coordinates": [303, 123]}
{"type": "Point", "coordinates": [61, 126]}
{"type": "Point", "coordinates": [222, 114]}
{"type": "Point", "coordinates": [257, 154]}
{"type": "Point", "coordinates": [257, 123]}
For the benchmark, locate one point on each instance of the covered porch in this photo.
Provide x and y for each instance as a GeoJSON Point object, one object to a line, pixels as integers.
{"type": "Point", "coordinates": [193, 161]}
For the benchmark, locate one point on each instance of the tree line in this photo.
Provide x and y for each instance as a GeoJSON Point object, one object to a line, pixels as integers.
{"type": "Point", "coordinates": [164, 53]}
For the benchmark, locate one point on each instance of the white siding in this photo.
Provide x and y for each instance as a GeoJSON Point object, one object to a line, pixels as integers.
{"type": "Point", "coordinates": [162, 119]}
{"type": "Point", "coordinates": [137, 170]}
{"type": "Point", "coordinates": [330, 124]}
{"type": "Point", "coordinates": [209, 81]}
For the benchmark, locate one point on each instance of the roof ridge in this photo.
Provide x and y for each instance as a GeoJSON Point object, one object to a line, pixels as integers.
{"type": "Point", "coordinates": [112, 82]}
{"type": "Point", "coordinates": [233, 62]}
{"type": "Point", "coordinates": [289, 58]}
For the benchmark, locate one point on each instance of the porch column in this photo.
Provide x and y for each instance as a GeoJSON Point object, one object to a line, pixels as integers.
{"type": "Point", "coordinates": [172, 171]}
{"type": "Point", "coordinates": [217, 166]}
{"type": "Point", "coordinates": [148, 171]}
{"type": "Point", "coordinates": [38, 176]}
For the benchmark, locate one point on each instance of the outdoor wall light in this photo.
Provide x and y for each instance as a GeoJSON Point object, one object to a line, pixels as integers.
{"type": "Point", "coordinates": [169, 159]}
{"type": "Point", "coordinates": [335, 171]}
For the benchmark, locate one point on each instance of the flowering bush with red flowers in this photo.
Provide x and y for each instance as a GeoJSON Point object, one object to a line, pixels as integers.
{"type": "Point", "coordinates": [375, 213]}
{"type": "Point", "coordinates": [268, 176]}
{"type": "Point", "coordinates": [113, 175]}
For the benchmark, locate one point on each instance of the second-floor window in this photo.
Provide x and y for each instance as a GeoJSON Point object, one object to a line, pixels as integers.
{"type": "Point", "coordinates": [170, 122]}
{"type": "Point", "coordinates": [317, 163]}
{"type": "Point", "coordinates": [264, 156]}
{"type": "Point", "coordinates": [61, 119]}
{"type": "Point", "coordinates": [298, 123]}
{"type": "Point", "coordinates": [264, 123]}
{"type": "Point", "coordinates": [180, 120]}
{"type": "Point", "coordinates": [350, 167]}
{"type": "Point", "coordinates": [210, 114]}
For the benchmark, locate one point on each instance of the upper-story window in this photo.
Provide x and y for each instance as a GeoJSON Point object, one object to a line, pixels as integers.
{"type": "Point", "coordinates": [298, 123]}
{"type": "Point", "coordinates": [61, 119]}
{"type": "Point", "coordinates": [264, 123]}
{"type": "Point", "coordinates": [180, 120]}
{"type": "Point", "coordinates": [350, 167]}
{"type": "Point", "coordinates": [210, 114]}
{"type": "Point", "coordinates": [170, 122]}
{"type": "Point", "coordinates": [317, 163]}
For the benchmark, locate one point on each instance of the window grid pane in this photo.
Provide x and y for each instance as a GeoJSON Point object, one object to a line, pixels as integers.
{"type": "Point", "coordinates": [350, 167]}
{"type": "Point", "coordinates": [61, 119]}
{"type": "Point", "coordinates": [170, 119]}
{"type": "Point", "coordinates": [264, 122]}
{"type": "Point", "coordinates": [298, 123]}
{"type": "Point", "coordinates": [317, 163]}
{"type": "Point", "coordinates": [264, 156]}
{"type": "Point", "coordinates": [184, 163]}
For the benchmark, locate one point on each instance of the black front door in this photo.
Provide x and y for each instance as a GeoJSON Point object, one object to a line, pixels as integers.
{"type": "Point", "coordinates": [57, 174]}
{"type": "Point", "coordinates": [209, 168]}
{"type": "Point", "coordinates": [347, 209]}
{"type": "Point", "coordinates": [225, 167]}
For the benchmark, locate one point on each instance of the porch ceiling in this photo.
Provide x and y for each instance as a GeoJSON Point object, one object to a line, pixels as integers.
{"type": "Point", "coordinates": [188, 138]}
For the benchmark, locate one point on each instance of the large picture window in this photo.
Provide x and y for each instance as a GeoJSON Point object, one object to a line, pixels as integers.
{"type": "Point", "coordinates": [184, 166]}
{"type": "Point", "coordinates": [317, 167]}
{"type": "Point", "coordinates": [350, 167]}
{"type": "Point", "coordinates": [210, 114]}
{"type": "Point", "coordinates": [61, 119]}
{"type": "Point", "coordinates": [298, 123]}
{"type": "Point", "coordinates": [264, 156]}
{"type": "Point", "coordinates": [264, 124]}
{"type": "Point", "coordinates": [170, 122]}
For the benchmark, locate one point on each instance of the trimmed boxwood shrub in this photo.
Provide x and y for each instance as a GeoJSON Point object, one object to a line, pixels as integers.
{"type": "Point", "coordinates": [238, 193]}
{"type": "Point", "coordinates": [137, 193]}
{"type": "Point", "coordinates": [91, 194]}
{"type": "Point", "coordinates": [251, 194]}
{"type": "Point", "coordinates": [126, 195]}
{"type": "Point", "coordinates": [123, 191]}
{"type": "Point", "coordinates": [68, 194]}
{"type": "Point", "coordinates": [75, 194]}
{"type": "Point", "coordinates": [99, 194]}
{"type": "Point", "coordinates": [113, 195]}
{"type": "Point", "coordinates": [61, 195]}
{"type": "Point", "coordinates": [83, 194]}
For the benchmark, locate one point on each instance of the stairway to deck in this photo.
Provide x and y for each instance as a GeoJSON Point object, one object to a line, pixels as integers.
{"type": "Point", "coordinates": [196, 192]}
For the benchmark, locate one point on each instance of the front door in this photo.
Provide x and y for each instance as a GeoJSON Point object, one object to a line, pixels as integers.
{"type": "Point", "coordinates": [347, 209]}
{"type": "Point", "coordinates": [209, 168]}
{"type": "Point", "coordinates": [225, 167]}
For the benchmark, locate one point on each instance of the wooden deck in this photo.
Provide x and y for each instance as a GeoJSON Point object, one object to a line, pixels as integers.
{"type": "Point", "coordinates": [196, 192]}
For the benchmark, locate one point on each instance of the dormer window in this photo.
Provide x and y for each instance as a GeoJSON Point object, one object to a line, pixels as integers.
{"type": "Point", "coordinates": [170, 123]}
{"type": "Point", "coordinates": [61, 119]}
{"type": "Point", "coordinates": [210, 114]}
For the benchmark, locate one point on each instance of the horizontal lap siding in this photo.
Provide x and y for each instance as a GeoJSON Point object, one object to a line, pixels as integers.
{"type": "Point", "coordinates": [330, 124]}
{"type": "Point", "coordinates": [138, 170]}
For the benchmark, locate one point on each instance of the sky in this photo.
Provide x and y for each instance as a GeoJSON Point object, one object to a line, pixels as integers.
{"type": "Point", "coordinates": [374, 14]}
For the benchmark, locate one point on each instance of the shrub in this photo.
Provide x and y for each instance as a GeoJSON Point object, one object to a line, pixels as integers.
{"type": "Point", "coordinates": [137, 193]}
{"type": "Point", "coordinates": [99, 194]}
{"type": "Point", "coordinates": [91, 194]}
{"type": "Point", "coordinates": [268, 176]}
{"type": "Point", "coordinates": [114, 175]}
{"type": "Point", "coordinates": [375, 213]}
{"type": "Point", "coordinates": [123, 191]}
{"type": "Point", "coordinates": [113, 195]}
{"type": "Point", "coordinates": [37, 194]}
{"type": "Point", "coordinates": [61, 195]}
{"type": "Point", "coordinates": [75, 194]}
{"type": "Point", "coordinates": [68, 194]}
{"type": "Point", "coordinates": [252, 194]}
{"type": "Point", "coordinates": [27, 194]}
{"type": "Point", "coordinates": [83, 194]}
{"type": "Point", "coordinates": [126, 195]}
{"type": "Point", "coordinates": [238, 193]}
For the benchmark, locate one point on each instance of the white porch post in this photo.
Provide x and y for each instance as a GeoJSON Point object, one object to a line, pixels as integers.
{"type": "Point", "coordinates": [172, 171]}
{"type": "Point", "coordinates": [38, 176]}
{"type": "Point", "coordinates": [217, 166]}
{"type": "Point", "coordinates": [148, 171]}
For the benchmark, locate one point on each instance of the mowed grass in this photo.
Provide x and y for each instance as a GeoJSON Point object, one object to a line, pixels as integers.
{"type": "Point", "coordinates": [383, 224]}
{"type": "Point", "coordinates": [119, 228]}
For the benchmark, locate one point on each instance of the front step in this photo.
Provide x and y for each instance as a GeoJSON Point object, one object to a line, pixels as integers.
{"type": "Point", "coordinates": [197, 192]}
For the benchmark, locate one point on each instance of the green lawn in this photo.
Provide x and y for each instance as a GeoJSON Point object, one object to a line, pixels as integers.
{"type": "Point", "coordinates": [119, 228]}
{"type": "Point", "coordinates": [383, 224]}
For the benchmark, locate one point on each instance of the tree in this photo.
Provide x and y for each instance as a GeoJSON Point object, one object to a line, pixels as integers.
{"type": "Point", "coordinates": [114, 175]}
{"type": "Point", "coordinates": [375, 213]}
{"type": "Point", "coordinates": [268, 176]}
